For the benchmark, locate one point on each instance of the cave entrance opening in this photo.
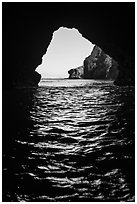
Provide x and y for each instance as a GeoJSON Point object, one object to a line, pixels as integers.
{"type": "Point", "coordinates": [67, 50]}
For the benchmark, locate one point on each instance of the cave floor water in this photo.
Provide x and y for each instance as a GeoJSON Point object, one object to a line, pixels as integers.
{"type": "Point", "coordinates": [69, 140]}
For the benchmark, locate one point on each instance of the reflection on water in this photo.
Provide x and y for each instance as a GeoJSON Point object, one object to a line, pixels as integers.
{"type": "Point", "coordinates": [69, 140]}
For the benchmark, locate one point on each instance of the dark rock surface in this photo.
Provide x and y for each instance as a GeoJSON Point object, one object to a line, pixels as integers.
{"type": "Point", "coordinates": [127, 73]}
{"type": "Point", "coordinates": [27, 30]}
{"type": "Point", "coordinates": [76, 73]}
{"type": "Point", "coordinates": [29, 79]}
{"type": "Point", "coordinates": [97, 65]}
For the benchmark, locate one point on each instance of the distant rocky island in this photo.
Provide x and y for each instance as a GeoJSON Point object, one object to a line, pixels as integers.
{"type": "Point", "coordinates": [97, 65]}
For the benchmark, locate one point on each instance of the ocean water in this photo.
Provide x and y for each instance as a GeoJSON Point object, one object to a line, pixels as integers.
{"type": "Point", "coordinates": [69, 140]}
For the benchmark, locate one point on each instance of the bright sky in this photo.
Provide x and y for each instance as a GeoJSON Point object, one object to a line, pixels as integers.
{"type": "Point", "coordinates": [67, 50]}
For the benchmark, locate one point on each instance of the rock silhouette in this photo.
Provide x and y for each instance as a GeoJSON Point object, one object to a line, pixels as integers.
{"type": "Point", "coordinates": [76, 73]}
{"type": "Point", "coordinates": [97, 65]}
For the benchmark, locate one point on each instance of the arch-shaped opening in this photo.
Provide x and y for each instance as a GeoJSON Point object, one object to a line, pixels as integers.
{"type": "Point", "coordinates": [70, 53]}
{"type": "Point", "coordinates": [67, 49]}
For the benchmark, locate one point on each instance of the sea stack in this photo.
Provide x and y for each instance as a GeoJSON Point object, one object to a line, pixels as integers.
{"type": "Point", "coordinates": [76, 73]}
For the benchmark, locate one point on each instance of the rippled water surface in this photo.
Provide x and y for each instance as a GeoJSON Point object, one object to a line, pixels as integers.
{"type": "Point", "coordinates": [69, 140]}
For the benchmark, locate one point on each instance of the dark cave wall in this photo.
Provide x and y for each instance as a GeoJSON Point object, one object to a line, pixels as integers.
{"type": "Point", "coordinates": [27, 31]}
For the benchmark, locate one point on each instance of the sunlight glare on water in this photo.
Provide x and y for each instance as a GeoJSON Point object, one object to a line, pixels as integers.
{"type": "Point", "coordinates": [79, 144]}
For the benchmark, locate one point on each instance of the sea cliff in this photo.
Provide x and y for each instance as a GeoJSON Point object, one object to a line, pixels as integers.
{"type": "Point", "coordinates": [97, 65]}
